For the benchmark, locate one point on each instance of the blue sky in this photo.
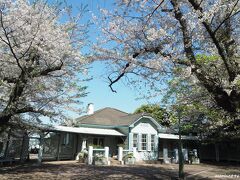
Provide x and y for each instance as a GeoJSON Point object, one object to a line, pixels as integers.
{"type": "Point", "coordinates": [101, 95]}
{"type": "Point", "coordinates": [99, 92]}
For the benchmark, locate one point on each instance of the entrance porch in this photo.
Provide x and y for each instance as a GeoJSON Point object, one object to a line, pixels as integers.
{"type": "Point", "coordinates": [65, 143]}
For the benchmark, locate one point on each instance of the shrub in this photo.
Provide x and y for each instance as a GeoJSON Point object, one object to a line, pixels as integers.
{"type": "Point", "coordinates": [82, 155]}
{"type": "Point", "coordinates": [99, 159]}
{"type": "Point", "coordinates": [128, 155]}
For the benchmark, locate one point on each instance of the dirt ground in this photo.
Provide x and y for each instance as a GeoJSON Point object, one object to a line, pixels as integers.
{"type": "Point", "coordinates": [75, 170]}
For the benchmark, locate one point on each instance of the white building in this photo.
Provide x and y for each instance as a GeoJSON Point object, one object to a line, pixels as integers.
{"type": "Point", "coordinates": [113, 128]}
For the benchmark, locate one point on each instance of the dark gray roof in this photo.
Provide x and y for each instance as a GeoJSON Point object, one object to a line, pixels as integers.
{"type": "Point", "coordinates": [109, 117]}
{"type": "Point", "coordinates": [171, 130]}
{"type": "Point", "coordinates": [129, 119]}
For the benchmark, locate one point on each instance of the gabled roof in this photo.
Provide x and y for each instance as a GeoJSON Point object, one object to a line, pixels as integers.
{"type": "Point", "coordinates": [109, 117]}
{"type": "Point", "coordinates": [105, 116]}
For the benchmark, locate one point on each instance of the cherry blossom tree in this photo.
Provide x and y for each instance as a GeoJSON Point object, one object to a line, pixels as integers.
{"type": "Point", "coordinates": [154, 39]}
{"type": "Point", "coordinates": [161, 40]}
{"type": "Point", "coordinates": [40, 60]}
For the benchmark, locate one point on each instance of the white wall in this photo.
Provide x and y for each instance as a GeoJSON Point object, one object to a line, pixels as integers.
{"type": "Point", "coordinates": [145, 126]}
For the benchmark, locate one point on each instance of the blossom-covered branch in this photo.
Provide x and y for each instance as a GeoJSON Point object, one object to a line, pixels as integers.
{"type": "Point", "coordinates": [40, 59]}
{"type": "Point", "coordinates": [160, 39]}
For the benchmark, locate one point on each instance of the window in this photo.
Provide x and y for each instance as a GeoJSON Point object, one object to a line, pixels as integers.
{"type": "Point", "coordinates": [152, 142]}
{"type": "Point", "coordinates": [95, 141]}
{"type": "Point", "coordinates": [135, 140]}
{"type": "Point", "coordinates": [144, 141]}
{"type": "Point", "coordinates": [66, 139]}
{"type": "Point", "coordinates": [98, 142]}
{"type": "Point", "coordinates": [1, 148]}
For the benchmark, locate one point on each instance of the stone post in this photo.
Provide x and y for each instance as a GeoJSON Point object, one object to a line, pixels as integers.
{"type": "Point", "coordinates": [90, 155]}
{"type": "Point", "coordinates": [106, 152]}
{"type": "Point", "coordinates": [84, 143]}
{"type": "Point", "coordinates": [135, 152]}
{"type": "Point", "coordinates": [120, 153]}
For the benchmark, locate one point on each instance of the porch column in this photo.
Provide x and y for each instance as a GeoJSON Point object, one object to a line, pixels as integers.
{"type": "Point", "coordinates": [156, 141]}
{"type": "Point", "coordinates": [176, 155]}
{"type": "Point", "coordinates": [185, 154]}
{"type": "Point", "coordinates": [58, 146]}
{"type": "Point", "coordinates": [130, 139]}
{"type": "Point", "coordinates": [90, 155]}
{"type": "Point", "coordinates": [84, 144]}
{"type": "Point", "coordinates": [165, 155]}
{"type": "Point", "coordinates": [195, 152]}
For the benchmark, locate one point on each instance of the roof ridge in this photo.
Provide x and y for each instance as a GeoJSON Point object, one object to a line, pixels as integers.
{"type": "Point", "coordinates": [96, 112]}
{"type": "Point", "coordinates": [100, 110]}
{"type": "Point", "coordinates": [134, 114]}
{"type": "Point", "coordinates": [116, 110]}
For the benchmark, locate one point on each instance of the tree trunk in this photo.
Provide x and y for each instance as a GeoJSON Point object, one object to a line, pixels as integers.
{"type": "Point", "coordinates": [181, 161]}
{"type": "Point", "coordinates": [180, 154]}
{"type": "Point", "coordinates": [217, 152]}
{"type": "Point", "coordinates": [6, 153]}
{"type": "Point", "coordinates": [40, 151]}
{"type": "Point", "coordinates": [4, 118]}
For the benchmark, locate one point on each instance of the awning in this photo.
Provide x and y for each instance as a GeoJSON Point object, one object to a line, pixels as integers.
{"type": "Point", "coordinates": [174, 136]}
{"type": "Point", "coordinates": [85, 130]}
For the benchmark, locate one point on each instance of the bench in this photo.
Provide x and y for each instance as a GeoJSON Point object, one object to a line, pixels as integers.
{"type": "Point", "coordinates": [7, 160]}
{"type": "Point", "coordinates": [161, 159]}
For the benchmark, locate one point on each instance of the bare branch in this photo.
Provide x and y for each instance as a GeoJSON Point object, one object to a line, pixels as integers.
{"type": "Point", "coordinates": [155, 9]}
{"type": "Point", "coordinates": [229, 16]}
{"type": "Point", "coordinates": [33, 110]}
{"type": "Point", "coordinates": [118, 78]}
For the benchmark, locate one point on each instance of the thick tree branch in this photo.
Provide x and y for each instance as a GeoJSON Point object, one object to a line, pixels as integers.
{"type": "Point", "coordinates": [8, 42]}
{"type": "Point", "coordinates": [187, 41]}
{"type": "Point", "coordinates": [154, 50]}
{"type": "Point", "coordinates": [17, 89]}
{"type": "Point", "coordinates": [229, 103]}
{"type": "Point", "coordinates": [9, 80]}
{"type": "Point", "coordinates": [7, 114]}
{"type": "Point", "coordinates": [231, 72]}
{"type": "Point", "coordinates": [31, 109]}
{"type": "Point", "coordinates": [34, 47]}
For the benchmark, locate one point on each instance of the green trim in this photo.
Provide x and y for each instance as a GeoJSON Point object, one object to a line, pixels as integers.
{"type": "Point", "coordinates": [101, 126]}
